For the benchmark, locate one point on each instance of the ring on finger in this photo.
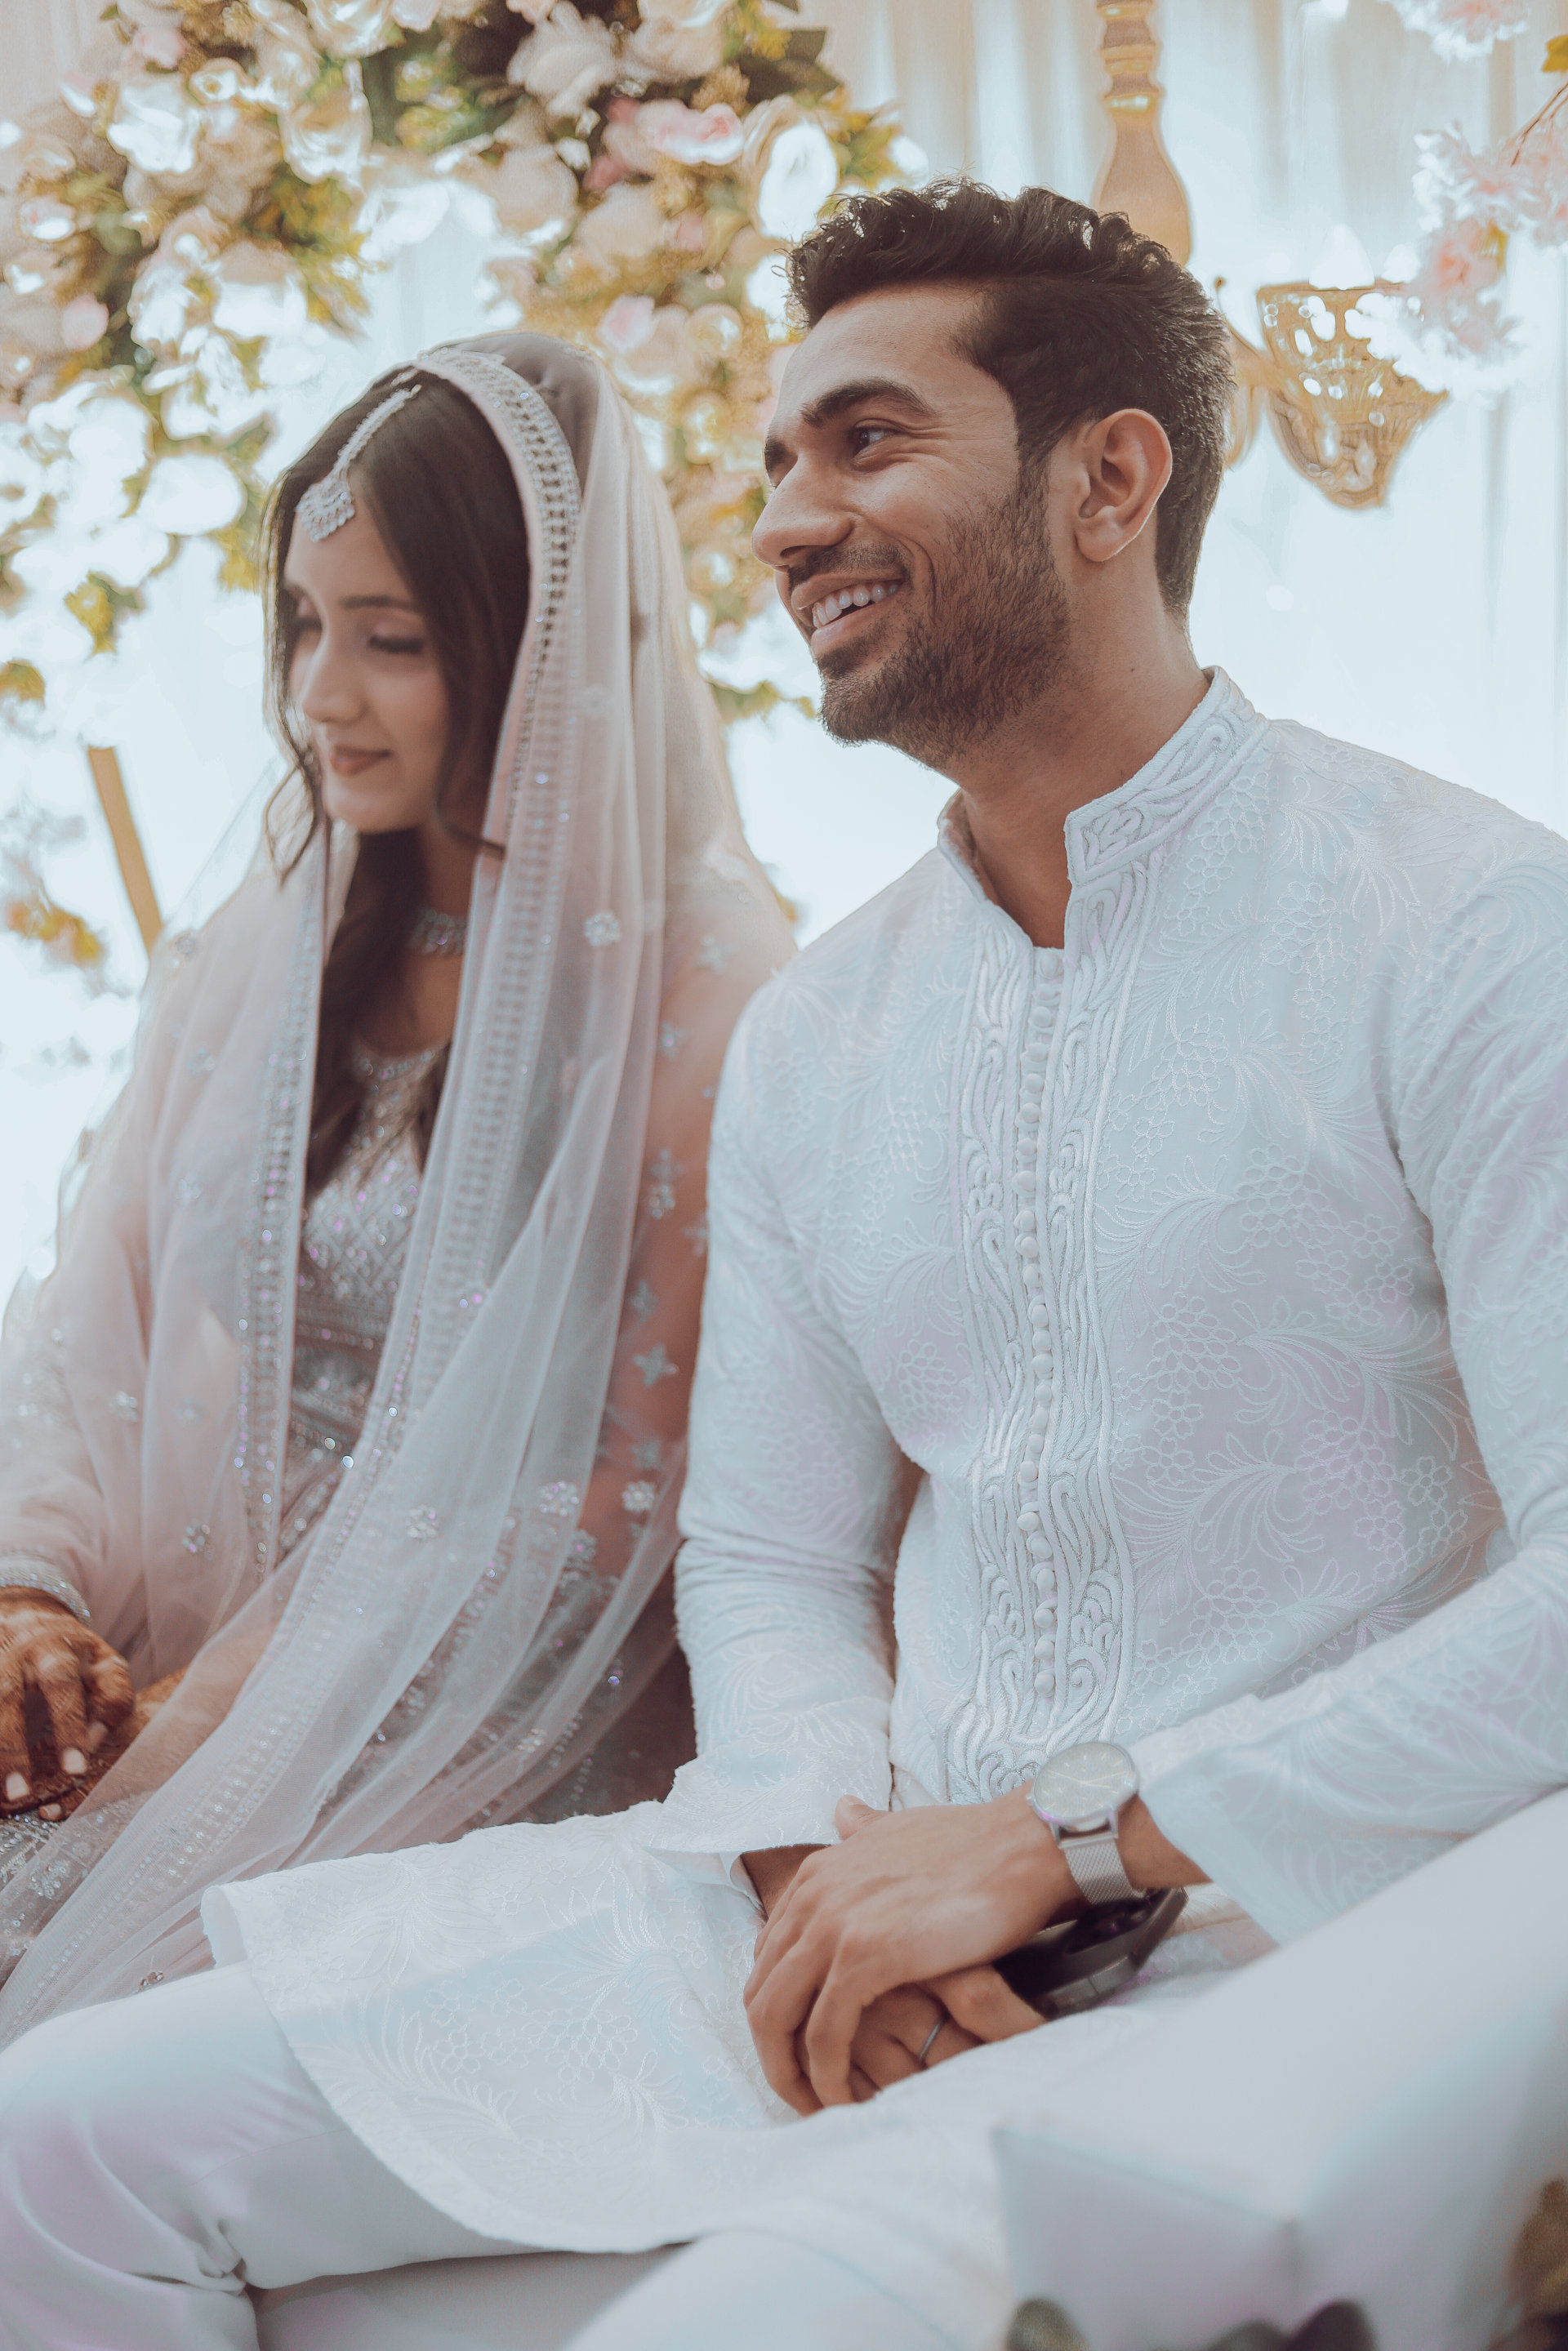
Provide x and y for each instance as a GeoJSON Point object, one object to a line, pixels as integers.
{"type": "Point", "coordinates": [924, 2052]}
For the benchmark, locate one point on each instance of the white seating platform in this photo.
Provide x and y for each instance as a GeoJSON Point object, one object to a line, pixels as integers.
{"type": "Point", "coordinates": [1368, 2115]}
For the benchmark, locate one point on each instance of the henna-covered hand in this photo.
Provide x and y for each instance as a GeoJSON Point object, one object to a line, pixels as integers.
{"type": "Point", "coordinates": [84, 1684]}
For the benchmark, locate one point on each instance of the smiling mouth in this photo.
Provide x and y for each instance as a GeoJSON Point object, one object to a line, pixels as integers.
{"type": "Point", "coordinates": [835, 614]}
{"type": "Point", "coordinates": [344, 760]}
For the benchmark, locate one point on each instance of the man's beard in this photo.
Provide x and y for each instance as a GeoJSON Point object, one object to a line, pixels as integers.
{"type": "Point", "coordinates": [998, 635]}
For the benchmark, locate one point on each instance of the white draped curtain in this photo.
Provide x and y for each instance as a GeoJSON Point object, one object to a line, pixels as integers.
{"type": "Point", "coordinates": [1435, 627]}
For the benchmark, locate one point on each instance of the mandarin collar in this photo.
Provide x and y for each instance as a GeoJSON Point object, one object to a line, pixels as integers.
{"type": "Point", "coordinates": [1139, 816]}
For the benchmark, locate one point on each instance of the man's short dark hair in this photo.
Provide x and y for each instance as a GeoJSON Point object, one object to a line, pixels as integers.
{"type": "Point", "coordinates": [1080, 316]}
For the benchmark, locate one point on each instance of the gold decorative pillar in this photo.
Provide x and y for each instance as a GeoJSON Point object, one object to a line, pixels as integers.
{"type": "Point", "coordinates": [1139, 178]}
{"type": "Point", "coordinates": [109, 786]}
{"type": "Point", "coordinates": [1340, 416]}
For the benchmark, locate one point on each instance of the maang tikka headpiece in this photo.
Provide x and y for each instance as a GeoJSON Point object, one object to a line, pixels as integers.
{"type": "Point", "coordinates": [328, 504]}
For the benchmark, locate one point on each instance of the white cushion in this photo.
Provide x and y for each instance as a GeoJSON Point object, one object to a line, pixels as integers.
{"type": "Point", "coordinates": [1367, 2114]}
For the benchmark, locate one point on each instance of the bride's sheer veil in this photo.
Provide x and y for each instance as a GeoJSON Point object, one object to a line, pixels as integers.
{"type": "Point", "coordinates": [436, 1653]}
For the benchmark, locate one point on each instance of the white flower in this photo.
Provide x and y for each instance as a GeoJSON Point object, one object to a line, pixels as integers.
{"type": "Point", "coordinates": [285, 56]}
{"type": "Point", "coordinates": [127, 550]}
{"type": "Point", "coordinates": [190, 494]}
{"type": "Point", "coordinates": [566, 61]}
{"type": "Point", "coordinates": [415, 15]}
{"type": "Point", "coordinates": [83, 322]}
{"type": "Point", "coordinates": [45, 219]}
{"type": "Point", "coordinates": [535, 194]}
{"type": "Point", "coordinates": [156, 124]}
{"type": "Point", "coordinates": [260, 293]}
{"type": "Point", "coordinates": [350, 28]}
{"type": "Point", "coordinates": [803, 174]}
{"type": "Point", "coordinates": [160, 305]}
{"type": "Point", "coordinates": [403, 206]}
{"type": "Point", "coordinates": [330, 138]}
{"type": "Point", "coordinates": [626, 225]}
{"type": "Point", "coordinates": [1463, 28]}
{"type": "Point", "coordinates": [22, 478]}
{"type": "Point", "coordinates": [678, 41]}
{"type": "Point", "coordinates": [192, 240]}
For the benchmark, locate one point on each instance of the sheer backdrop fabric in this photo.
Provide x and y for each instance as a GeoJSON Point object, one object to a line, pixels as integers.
{"type": "Point", "coordinates": [485, 1593]}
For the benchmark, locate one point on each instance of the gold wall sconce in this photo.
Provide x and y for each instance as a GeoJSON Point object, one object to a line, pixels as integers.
{"type": "Point", "coordinates": [1342, 417]}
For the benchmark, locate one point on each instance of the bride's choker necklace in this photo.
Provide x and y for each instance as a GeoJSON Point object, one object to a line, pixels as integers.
{"type": "Point", "coordinates": [436, 934]}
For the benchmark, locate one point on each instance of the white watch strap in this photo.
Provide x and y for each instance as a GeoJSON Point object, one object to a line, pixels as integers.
{"type": "Point", "coordinates": [1096, 1866]}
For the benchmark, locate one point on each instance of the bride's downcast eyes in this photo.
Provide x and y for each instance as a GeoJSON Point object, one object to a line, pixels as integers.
{"type": "Point", "coordinates": [306, 624]}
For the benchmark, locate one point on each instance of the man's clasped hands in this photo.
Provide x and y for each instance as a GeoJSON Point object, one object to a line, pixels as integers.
{"type": "Point", "coordinates": [874, 1960]}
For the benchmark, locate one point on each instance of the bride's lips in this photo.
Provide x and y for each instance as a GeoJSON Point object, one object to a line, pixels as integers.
{"type": "Point", "coordinates": [345, 760]}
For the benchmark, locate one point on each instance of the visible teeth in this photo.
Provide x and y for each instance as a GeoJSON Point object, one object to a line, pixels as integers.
{"type": "Point", "coordinates": [845, 599]}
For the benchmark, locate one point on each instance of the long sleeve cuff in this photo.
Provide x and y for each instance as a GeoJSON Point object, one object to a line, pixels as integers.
{"type": "Point", "coordinates": [24, 1571]}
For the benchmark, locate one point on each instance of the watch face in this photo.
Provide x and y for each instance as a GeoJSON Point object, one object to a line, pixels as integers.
{"type": "Point", "coordinates": [1082, 1787]}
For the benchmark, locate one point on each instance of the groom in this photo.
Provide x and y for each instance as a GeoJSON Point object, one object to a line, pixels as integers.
{"type": "Point", "coordinates": [1147, 1222]}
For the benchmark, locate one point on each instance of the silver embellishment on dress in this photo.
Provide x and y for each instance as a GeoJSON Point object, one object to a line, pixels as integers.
{"type": "Point", "coordinates": [189, 1189]}
{"type": "Point", "coordinates": [422, 1525]}
{"type": "Point", "coordinates": [560, 1499]}
{"type": "Point", "coordinates": [671, 1038]}
{"type": "Point", "coordinates": [328, 504]}
{"type": "Point", "coordinates": [202, 1063]}
{"type": "Point", "coordinates": [601, 930]}
{"type": "Point", "coordinates": [436, 934]}
{"type": "Point", "coordinates": [638, 1499]}
{"type": "Point", "coordinates": [713, 954]}
{"type": "Point", "coordinates": [662, 1177]}
{"type": "Point", "coordinates": [185, 943]}
{"type": "Point", "coordinates": [123, 1406]}
{"type": "Point", "coordinates": [196, 1539]}
{"type": "Point", "coordinates": [643, 1302]}
{"type": "Point", "coordinates": [654, 1365]}
{"type": "Point", "coordinates": [582, 1550]}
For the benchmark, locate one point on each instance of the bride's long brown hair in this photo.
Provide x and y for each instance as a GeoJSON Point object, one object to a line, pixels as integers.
{"type": "Point", "coordinates": [435, 482]}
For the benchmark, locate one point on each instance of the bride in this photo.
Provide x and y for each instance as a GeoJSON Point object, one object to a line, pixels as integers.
{"type": "Point", "coordinates": [342, 1450]}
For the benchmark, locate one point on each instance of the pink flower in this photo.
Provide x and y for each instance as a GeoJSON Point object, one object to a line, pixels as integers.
{"type": "Point", "coordinates": [628, 322]}
{"type": "Point", "coordinates": [83, 323]}
{"type": "Point", "coordinates": [159, 45]}
{"type": "Point", "coordinates": [637, 136]}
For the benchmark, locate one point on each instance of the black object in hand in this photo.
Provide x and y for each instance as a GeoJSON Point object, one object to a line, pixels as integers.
{"type": "Point", "coordinates": [1082, 1961]}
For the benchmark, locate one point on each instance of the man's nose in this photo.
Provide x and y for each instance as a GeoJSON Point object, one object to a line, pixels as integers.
{"type": "Point", "coordinates": [801, 518]}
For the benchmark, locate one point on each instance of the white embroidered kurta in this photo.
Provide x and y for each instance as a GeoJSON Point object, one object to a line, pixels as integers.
{"type": "Point", "coordinates": [1206, 1283]}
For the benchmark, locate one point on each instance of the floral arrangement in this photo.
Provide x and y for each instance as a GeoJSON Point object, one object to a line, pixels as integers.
{"type": "Point", "coordinates": [1445, 323]}
{"type": "Point", "coordinates": [183, 229]}
{"type": "Point", "coordinates": [1458, 29]}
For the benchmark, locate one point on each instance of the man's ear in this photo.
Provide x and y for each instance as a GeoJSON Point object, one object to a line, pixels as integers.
{"type": "Point", "coordinates": [1120, 464]}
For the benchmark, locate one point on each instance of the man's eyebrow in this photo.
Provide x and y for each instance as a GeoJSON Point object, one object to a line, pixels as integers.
{"type": "Point", "coordinates": [846, 396]}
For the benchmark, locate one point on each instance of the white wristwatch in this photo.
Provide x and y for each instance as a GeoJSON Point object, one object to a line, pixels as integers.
{"type": "Point", "coordinates": [1079, 1795]}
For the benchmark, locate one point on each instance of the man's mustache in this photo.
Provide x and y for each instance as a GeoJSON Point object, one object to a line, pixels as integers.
{"type": "Point", "coordinates": [880, 562]}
